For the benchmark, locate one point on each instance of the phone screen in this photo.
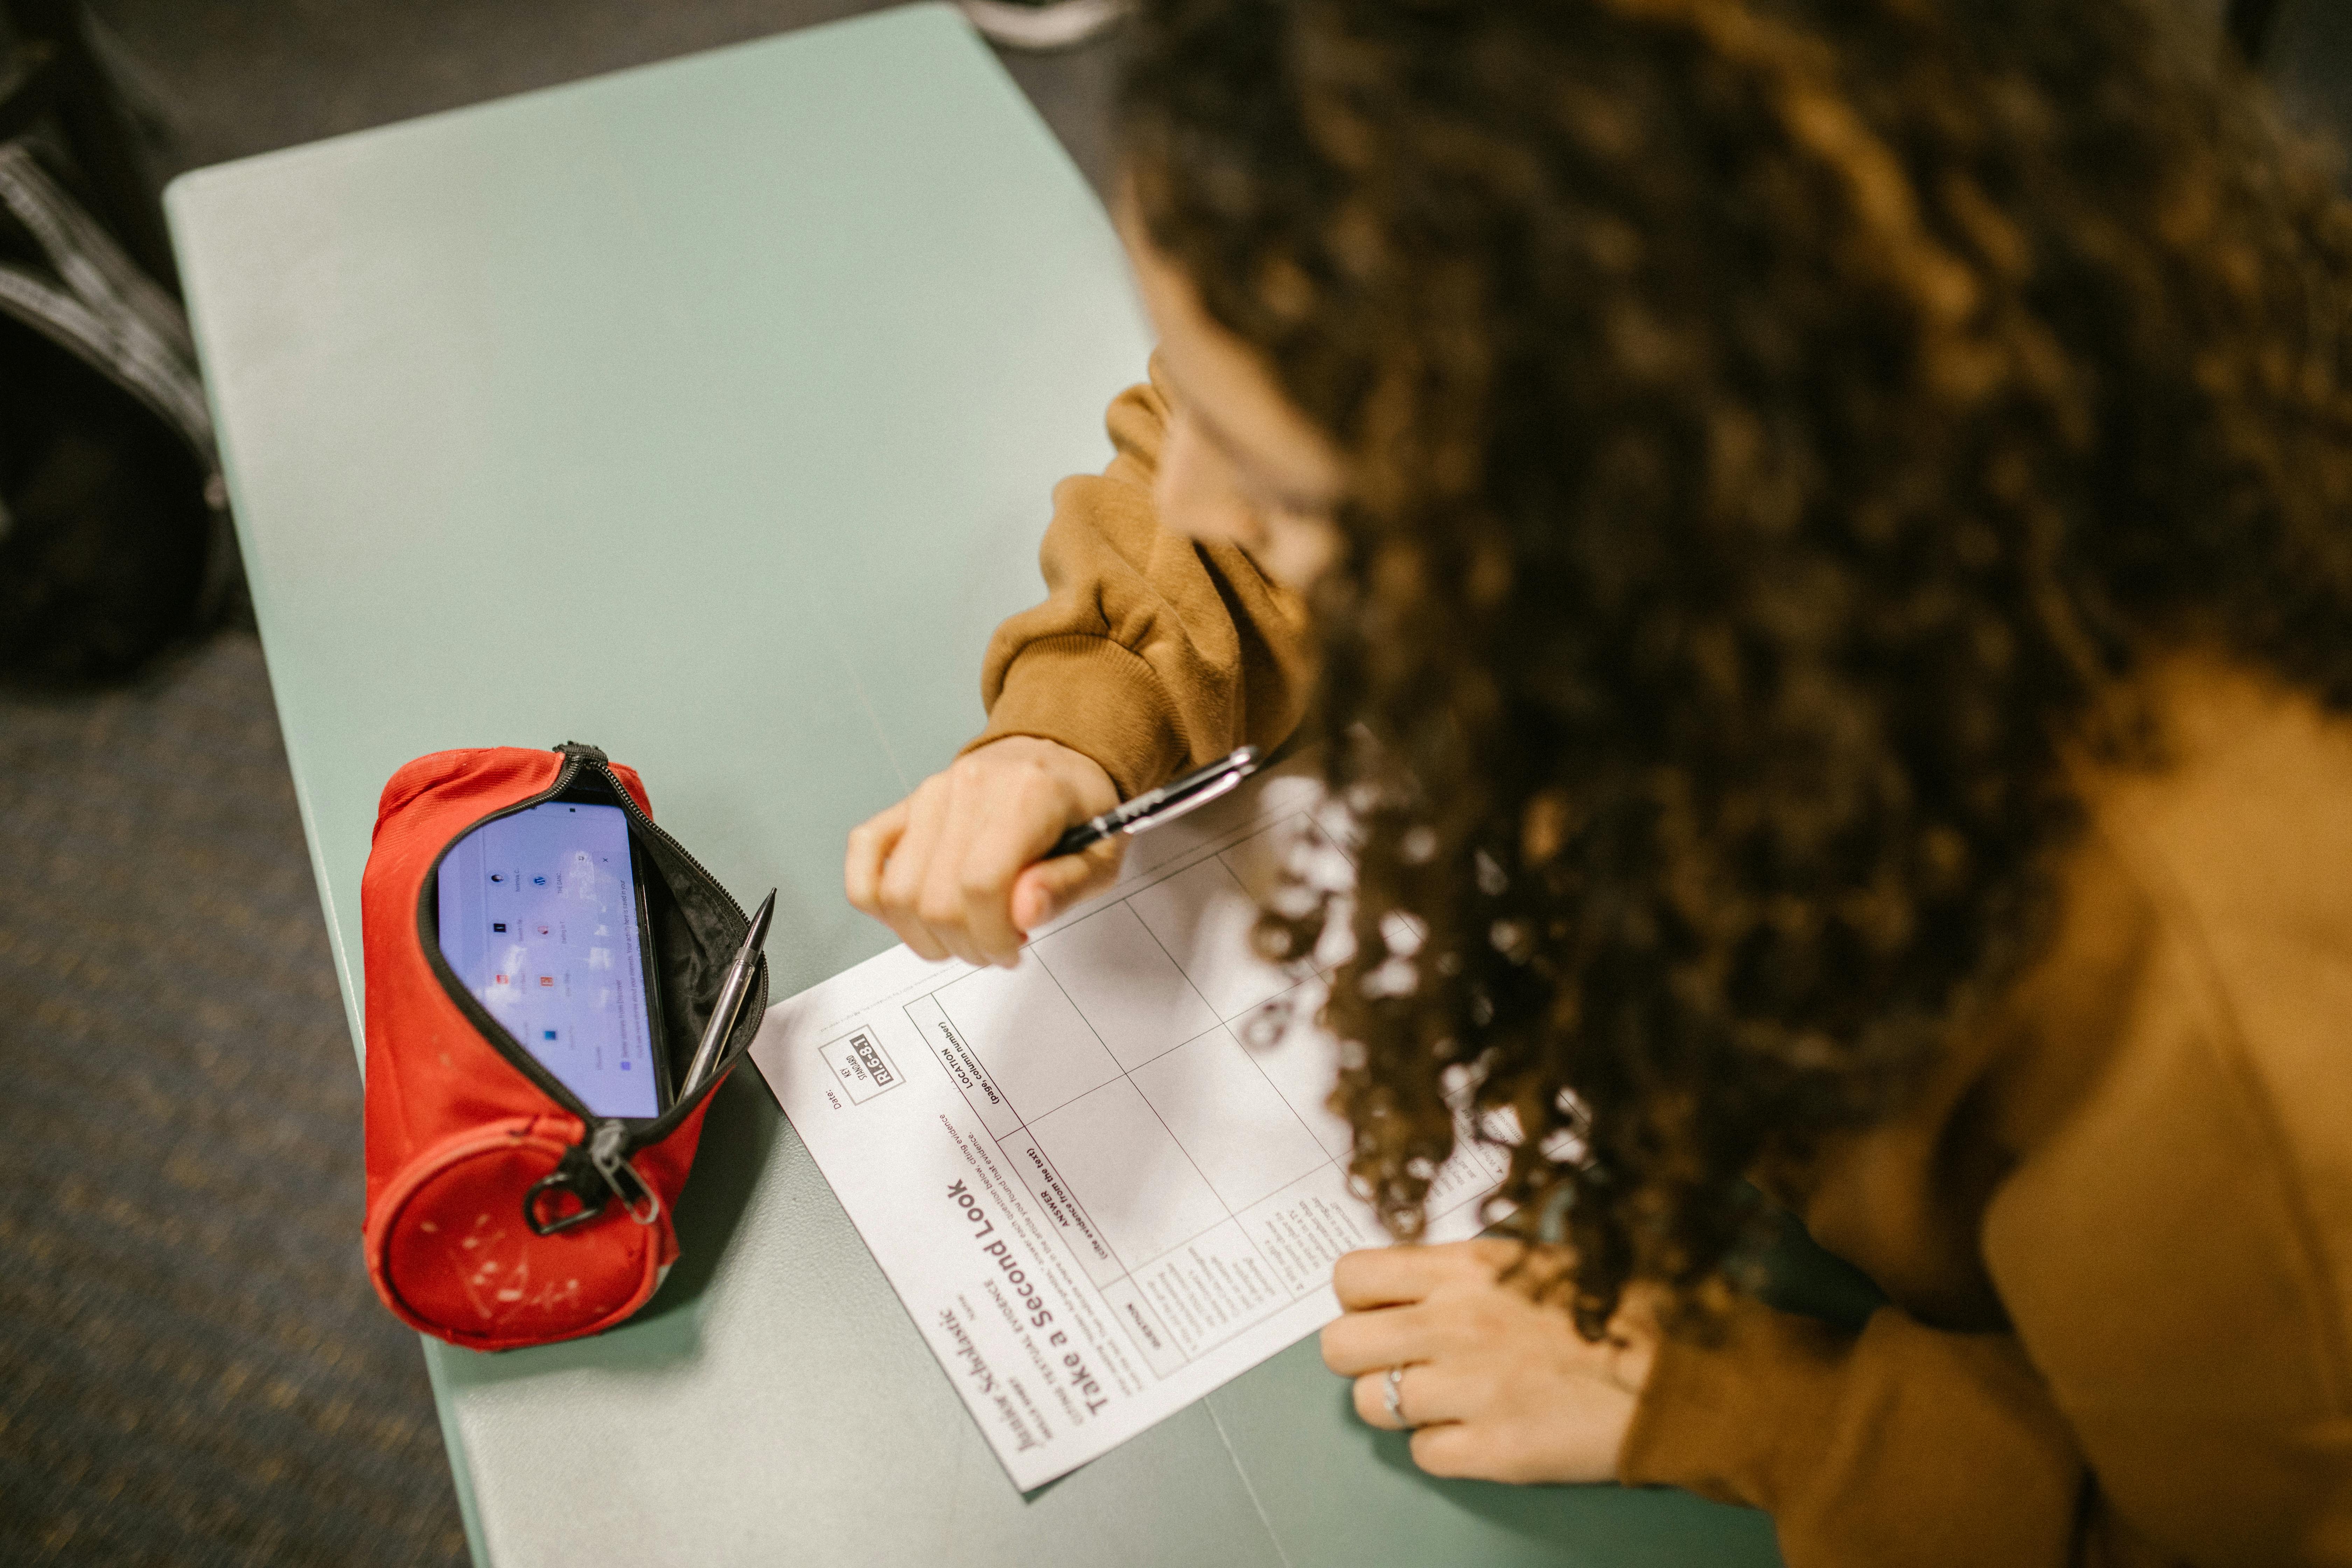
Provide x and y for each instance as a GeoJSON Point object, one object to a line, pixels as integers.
{"type": "Point", "coordinates": [539, 919]}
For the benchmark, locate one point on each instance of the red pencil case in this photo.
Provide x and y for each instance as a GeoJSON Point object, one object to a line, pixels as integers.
{"type": "Point", "coordinates": [500, 1210]}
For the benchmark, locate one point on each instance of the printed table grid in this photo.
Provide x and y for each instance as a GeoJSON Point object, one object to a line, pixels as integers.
{"type": "Point", "coordinates": [1307, 974]}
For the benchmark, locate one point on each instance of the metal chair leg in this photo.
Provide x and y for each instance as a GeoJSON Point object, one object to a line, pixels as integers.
{"type": "Point", "coordinates": [98, 131]}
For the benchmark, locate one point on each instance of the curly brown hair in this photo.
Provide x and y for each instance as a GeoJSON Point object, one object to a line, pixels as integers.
{"type": "Point", "coordinates": [1775, 428]}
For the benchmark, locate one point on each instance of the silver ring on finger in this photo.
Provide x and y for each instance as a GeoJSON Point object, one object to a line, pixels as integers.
{"type": "Point", "coordinates": [1393, 1396]}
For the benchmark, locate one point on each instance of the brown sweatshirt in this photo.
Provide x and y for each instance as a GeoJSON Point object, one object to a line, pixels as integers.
{"type": "Point", "coordinates": [1150, 654]}
{"type": "Point", "coordinates": [2116, 1227]}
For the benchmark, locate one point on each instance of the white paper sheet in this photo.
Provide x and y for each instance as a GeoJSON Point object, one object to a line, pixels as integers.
{"type": "Point", "coordinates": [1106, 1182]}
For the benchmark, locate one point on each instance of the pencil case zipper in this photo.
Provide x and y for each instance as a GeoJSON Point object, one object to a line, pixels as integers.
{"type": "Point", "coordinates": [596, 1169]}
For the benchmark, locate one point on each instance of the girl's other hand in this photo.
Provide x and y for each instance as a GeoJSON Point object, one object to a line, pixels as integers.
{"type": "Point", "coordinates": [1497, 1386]}
{"type": "Point", "coordinates": [953, 868]}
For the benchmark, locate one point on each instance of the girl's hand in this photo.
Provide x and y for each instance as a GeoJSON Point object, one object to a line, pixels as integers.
{"type": "Point", "coordinates": [1496, 1386]}
{"type": "Point", "coordinates": [953, 867]}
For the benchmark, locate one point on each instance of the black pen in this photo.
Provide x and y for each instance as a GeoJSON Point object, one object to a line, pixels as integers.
{"type": "Point", "coordinates": [731, 997]}
{"type": "Point", "coordinates": [1166, 804]}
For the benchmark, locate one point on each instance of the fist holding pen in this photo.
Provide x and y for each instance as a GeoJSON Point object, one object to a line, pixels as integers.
{"type": "Point", "coordinates": [958, 869]}
{"type": "Point", "coordinates": [1008, 837]}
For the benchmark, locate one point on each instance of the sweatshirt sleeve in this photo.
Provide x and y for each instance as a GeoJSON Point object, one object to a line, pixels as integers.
{"type": "Point", "coordinates": [1900, 1445]}
{"type": "Point", "coordinates": [2173, 1388]}
{"type": "Point", "coordinates": [1151, 653]}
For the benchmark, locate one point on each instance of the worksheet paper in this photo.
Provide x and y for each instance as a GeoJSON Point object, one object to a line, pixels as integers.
{"type": "Point", "coordinates": [1105, 1182]}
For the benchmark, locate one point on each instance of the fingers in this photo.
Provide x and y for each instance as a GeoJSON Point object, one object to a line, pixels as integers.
{"type": "Point", "coordinates": [1455, 1429]}
{"type": "Point", "coordinates": [1452, 1449]}
{"type": "Point", "coordinates": [902, 874]}
{"type": "Point", "coordinates": [996, 830]}
{"type": "Point", "coordinates": [1428, 1394]}
{"type": "Point", "coordinates": [968, 878]}
{"type": "Point", "coordinates": [1367, 1341]}
{"type": "Point", "coordinates": [870, 843]}
{"type": "Point", "coordinates": [1380, 1277]}
{"type": "Point", "coordinates": [1393, 1275]}
{"type": "Point", "coordinates": [1495, 1383]}
{"type": "Point", "coordinates": [1047, 888]}
{"type": "Point", "coordinates": [940, 868]}
{"type": "Point", "coordinates": [1371, 1398]}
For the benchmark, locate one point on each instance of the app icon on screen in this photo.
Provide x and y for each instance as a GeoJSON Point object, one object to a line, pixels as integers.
{"type": "Point", "coordinates": [564, 867]}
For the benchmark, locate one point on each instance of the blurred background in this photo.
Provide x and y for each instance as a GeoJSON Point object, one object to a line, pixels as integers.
{"type": "Point", "coordinates": [193, 1367]}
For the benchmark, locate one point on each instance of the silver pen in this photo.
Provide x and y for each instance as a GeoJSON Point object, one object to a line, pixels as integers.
{"type": "Point", "coordinates": [1166, 804]}
{"type": "Point", "coordinates": [731, 997]}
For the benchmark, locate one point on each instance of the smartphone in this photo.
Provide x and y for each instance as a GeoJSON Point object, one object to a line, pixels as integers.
{"type": "Point", "coordinates": [543, 918]}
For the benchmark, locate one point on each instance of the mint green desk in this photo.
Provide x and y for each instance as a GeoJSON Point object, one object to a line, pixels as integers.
{"type": "Point", "coordinates": [709, 412]}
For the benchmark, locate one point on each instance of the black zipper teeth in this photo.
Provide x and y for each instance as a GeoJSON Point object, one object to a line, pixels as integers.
{"type": "Point", "coordinates": [661, 1126]}
{"type": "Point", "coordinates": [468, 1002]}
{"type": "Point", "coordinates": [504, 1044]}
{"type": "Point", "coordinates": [636, 814]}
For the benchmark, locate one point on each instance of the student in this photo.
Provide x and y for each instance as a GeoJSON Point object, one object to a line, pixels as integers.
{"type": "Point", "coordinates": [1814, 535]}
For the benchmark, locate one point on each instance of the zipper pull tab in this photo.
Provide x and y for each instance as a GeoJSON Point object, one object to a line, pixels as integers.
{"type": "Point", "coordinates": [571, 1174]}
{"type": "Point", "coordinates": [605, 1153]}
{"type": "Point", "coordinates": [582, 752]}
